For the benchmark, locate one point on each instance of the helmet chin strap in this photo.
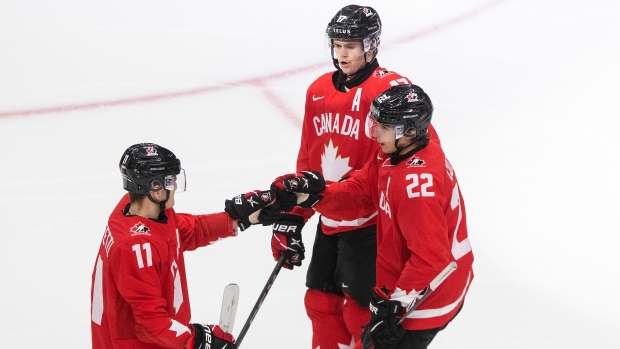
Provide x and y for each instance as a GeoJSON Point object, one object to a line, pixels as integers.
{"type": "Point", "coordinates": [399, 149]}
{"type": "Point", "coordinates": [162, 204]}
{"type": "Point", "coordinates": [400, 154]}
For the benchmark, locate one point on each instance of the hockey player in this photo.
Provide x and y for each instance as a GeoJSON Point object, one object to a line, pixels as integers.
{"type": "Point", "coordinates": [421, 223]}
{"type": "Point", "coordinates": [139, 291]}
{"type": "Point", "coordinates": [341, 273]}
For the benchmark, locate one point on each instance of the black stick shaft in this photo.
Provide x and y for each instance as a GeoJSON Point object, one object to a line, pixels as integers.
{"type": "Point", "coordinates": [260, 300]}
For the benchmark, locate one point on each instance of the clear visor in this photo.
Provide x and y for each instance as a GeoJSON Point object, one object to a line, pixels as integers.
{"type": "Point", "coordinates": [171, 182]}
{"type": "Point", "coordinates": [329, 45]}
{"type": "Point", "coordinates": [371, 126]}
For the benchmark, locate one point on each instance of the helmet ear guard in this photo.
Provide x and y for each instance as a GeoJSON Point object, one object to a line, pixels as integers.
{"type": "Point", "coordinates": [156, 185]}
{"type": "Point", "coordinates": [411, 132]}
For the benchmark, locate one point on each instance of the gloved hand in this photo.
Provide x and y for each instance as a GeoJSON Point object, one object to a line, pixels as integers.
{"type": "Point", "coordinates": [246, 207]}
{"type": "Point", "coordinates": [307, 184]}
{"type": "Point", "coordinates": [211, 336]}
{"type": "Point", "coordinates": [287, 239]}
{"type": "Point", "coordinates": [383, 329]}
{"type": "Point", "coordinates": [285, 202]}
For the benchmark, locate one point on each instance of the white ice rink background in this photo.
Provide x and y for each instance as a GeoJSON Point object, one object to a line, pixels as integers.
{"type": "Point", "coordinates": [525, 96]}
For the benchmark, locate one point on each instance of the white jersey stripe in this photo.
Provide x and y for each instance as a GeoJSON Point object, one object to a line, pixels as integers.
{"type": "Point", "coordinates": [354, 223]}
{"type": "Point", "coordinates": [429, 313]}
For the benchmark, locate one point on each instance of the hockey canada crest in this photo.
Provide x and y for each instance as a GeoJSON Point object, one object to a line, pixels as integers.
{"type": "Point", "coordinates": [139, 229]}
{"type": "Point", "coordinates": [266, 197]}
{"type": "Point", "coordinates": [151, 151]}
{"type": "Point", "coordinates": [412, 97]}
{"type": "Point", "coordinates": [382, 73]}
{"type": "Point", "coordinates": [415, 162]}
{"type": "Point", "coordinates": [294, 183]}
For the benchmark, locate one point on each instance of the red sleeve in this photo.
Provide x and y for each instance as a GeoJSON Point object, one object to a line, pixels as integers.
{"type": "Point", "coordinates": [307, 213]}
{"type": "Point", "coordinates": [427, 239]}
{"type": "Point", "coordinates": [421, 220]}
{"type": "Point", "coordinates": [352, 196]}
{"type": "Point", "coordinates": [200, 230]}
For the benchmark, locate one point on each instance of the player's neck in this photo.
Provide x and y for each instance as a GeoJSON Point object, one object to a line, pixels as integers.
{"type": "Point", "coordinates": [404, 153]}
{"type": "Point", "coordinates": [144, 208]}
{"type": "Point", "coordinates": [344, 82]}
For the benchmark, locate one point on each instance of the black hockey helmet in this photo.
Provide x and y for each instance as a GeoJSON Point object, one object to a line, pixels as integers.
{"type": "Point", "coordinates": [404, 106]}
{"type": "Point", "coordinates": [148, 166]}
{"type": "Point", "coordinates": [354, 22]}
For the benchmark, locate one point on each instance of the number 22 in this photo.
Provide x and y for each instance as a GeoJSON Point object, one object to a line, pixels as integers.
{"type": "Point", "coordinates": [417, 189]}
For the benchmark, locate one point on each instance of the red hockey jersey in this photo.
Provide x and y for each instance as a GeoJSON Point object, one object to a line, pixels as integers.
{"type": "Point", "coordinates": [139, 292]}
{"type": "Point", "coordinates": [421, 228]}
{"type": "Point", "coordinates": [333, 139]}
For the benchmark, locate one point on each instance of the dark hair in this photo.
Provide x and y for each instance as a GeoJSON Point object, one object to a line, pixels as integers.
{"type": "Point", "coordinates": [135, 197]}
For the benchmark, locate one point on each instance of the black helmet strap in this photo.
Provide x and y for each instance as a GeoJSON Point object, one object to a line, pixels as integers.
{"type": "Point", "coordinates": [397, 157]}
{"type": "Point", "coordinates": [162, 204]}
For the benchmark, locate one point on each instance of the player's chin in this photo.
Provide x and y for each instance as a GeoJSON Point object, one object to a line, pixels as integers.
{"type": "Point", "coordinates": [387, 148]}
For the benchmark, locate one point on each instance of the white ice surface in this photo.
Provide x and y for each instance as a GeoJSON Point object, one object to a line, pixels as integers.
{"type": "Point", "coordinates": [526, 97]}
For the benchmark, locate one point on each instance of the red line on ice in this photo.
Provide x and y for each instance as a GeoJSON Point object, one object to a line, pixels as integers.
{"type": "Point", "coordinates": [259, 81]}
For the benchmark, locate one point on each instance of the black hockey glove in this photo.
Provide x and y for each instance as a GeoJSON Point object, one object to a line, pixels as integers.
{"type": "Point", "coordinates": [246, 207]}
{"type": "Point", "coordinates": [287, 239]}
{"type": "Point", "coordinates": [383, 329]}
{"type": "Point", "coordinates": [306, 184]}
{"type": "Point", "coordinates": [285, 202]}
{"type": "Point", "coordinates": [213, 337]}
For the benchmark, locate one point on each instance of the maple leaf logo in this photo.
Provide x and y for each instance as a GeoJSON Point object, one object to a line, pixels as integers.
{"type": "Point", "coordinates": [333, 165]}
{"type": "Point", "coordinates": [415, 161]}
{"type": "Point", "coordinates": [139, 229]}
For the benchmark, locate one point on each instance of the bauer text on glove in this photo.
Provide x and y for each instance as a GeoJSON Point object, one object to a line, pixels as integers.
{"type": "Point", "coordinates": [286, 239]}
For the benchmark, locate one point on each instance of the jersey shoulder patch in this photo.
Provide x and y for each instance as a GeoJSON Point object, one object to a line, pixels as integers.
{"type": "Point", "coordinates": [382, 73]}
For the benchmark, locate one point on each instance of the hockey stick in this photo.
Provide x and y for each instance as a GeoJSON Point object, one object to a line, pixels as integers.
{"type": "Point", "coordinates": [230, 301]}
{"type": "Point", "coordinates": [430, 288]}
{"type": "Point", "coordinates": [425, 293]}
{"type": "Point", "coordinates": [260, 300]}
